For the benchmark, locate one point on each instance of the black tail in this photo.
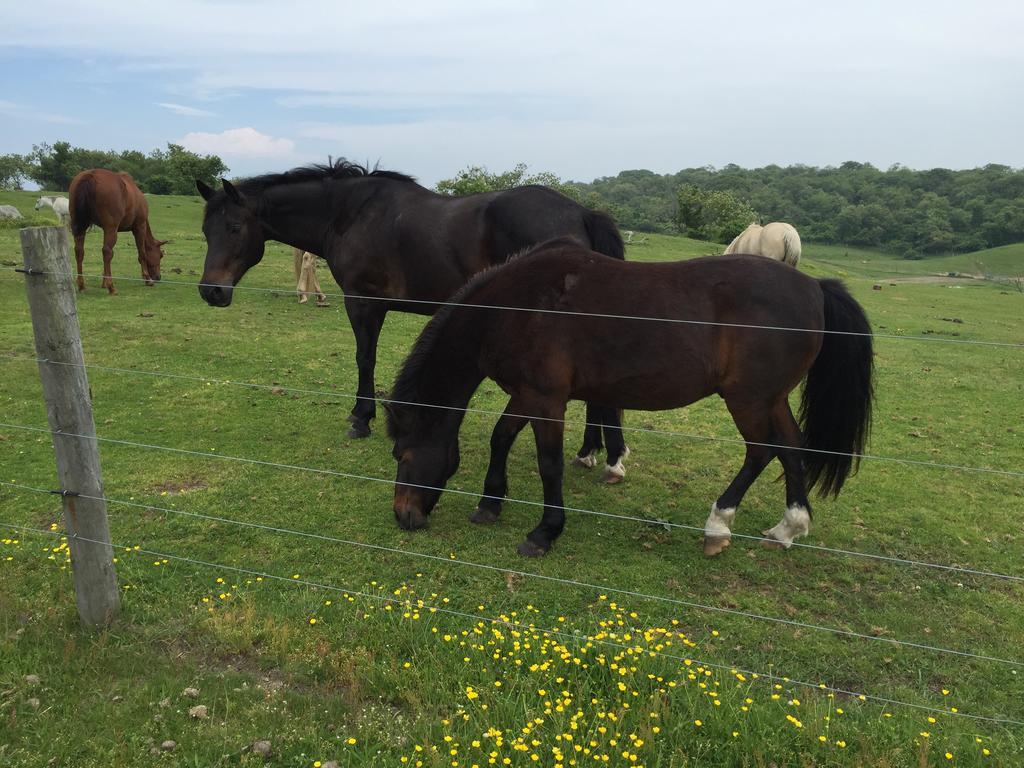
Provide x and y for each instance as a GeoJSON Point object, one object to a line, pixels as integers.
{"type": "Point", "coordinates": [604, 235]}
{"type": "Point", "coordinates": [81, 205]}
{"type": "Point", "coordinates": [835, 410]}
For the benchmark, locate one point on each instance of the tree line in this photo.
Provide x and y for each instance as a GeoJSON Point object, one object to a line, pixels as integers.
{"type": "Point", "coordinates": [161, 172]}
{"type": "Point", "coordinates": [913, 213]}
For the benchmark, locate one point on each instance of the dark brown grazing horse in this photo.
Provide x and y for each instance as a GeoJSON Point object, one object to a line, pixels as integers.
{"type": "Point", "coordinates": [721, 337]}
{"type": "Point", "coordinates": [114, 203]}
{"type": "Point", "coordinates": [392, 245]}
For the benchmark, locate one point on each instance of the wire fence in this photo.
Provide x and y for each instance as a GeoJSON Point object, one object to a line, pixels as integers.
{"type": "Point", "coordinates": [569, 637]}
{"type": "Point", "coordinates": [544, 577]}
{"type": "Point", "coordinates": [837, 631]}
{"type": "Point", "coordinates": [531, 417]}
{"type": "Point", "coordinates": [432, 303]}
{"type": "Point", "coordinates": [525, 502]}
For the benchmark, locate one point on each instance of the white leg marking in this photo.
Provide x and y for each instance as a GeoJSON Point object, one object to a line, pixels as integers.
{"type": "Point", "coordinates": [795, 522]}
{"type": "Point", "coordinates": [719, 522]}
{"type": "Point", "coordinates": [617, 471]}
{"type": "Point", "coordinates": [588, 462]}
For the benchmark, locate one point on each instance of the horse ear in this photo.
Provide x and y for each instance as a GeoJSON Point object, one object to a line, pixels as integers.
{"type": "Point", "coordinates": [204, 189]}
{"type": "Point", "coordinates": [162, 243]}
{"type": "Point", "coordinates": [232, 192]}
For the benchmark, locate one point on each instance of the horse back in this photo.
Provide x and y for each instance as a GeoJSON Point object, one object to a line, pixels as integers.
{"type": "Point", "coordinates": [108, 199]}
{"type": "Point", "coordinates": [521, 218]}
{"type": "Point", "coordinates": [652, 336]}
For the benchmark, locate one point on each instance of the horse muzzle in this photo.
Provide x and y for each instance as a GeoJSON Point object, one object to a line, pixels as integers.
{"type": "Point", "coordinates": [408, 514]}
{"type": "Point", "coordinates": [216, 295]}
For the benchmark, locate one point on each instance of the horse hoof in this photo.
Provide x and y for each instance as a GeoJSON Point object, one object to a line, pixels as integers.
{"type": "Point", "coordinates": [529, 549]}
{"type": "Point", "coordinates": [484, 516]}
{"type": "Point", "coordinates": [770, 542]}
{"type": "Point", "coordinates": [586, 462]}
{"type": "Point", "coordinates": [614, 474]}
{"type": "Point", "coordinates": [358, 431]}
{"type": "Point", "coordinates": [150, 283]}
{"type": "Point", "coordinates": [713, 545]}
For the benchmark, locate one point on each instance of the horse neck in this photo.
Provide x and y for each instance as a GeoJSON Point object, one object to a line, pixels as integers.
{"type": "Point", "coordinates": [449, 372]}
{"type": "Point", "coordinates": [151, 241]}
{"type": "Point", "coordinates": [304, 214]}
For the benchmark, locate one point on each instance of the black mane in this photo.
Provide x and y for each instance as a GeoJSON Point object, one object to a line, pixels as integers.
{"type": "Point", "coordinates": [406, 390]}
{"type": "Point", "coordinates": [339, 169]}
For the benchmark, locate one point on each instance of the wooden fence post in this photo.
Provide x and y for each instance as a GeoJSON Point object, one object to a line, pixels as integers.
{"type": "Point", "coordinates": [51, 301]}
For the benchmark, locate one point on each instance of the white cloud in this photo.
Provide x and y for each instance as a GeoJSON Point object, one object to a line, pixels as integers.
{"type": "Point", "coordinates": [238, 142]}
{"type": "Point", "coordinates": [181, 109]}
{"type": "Point", "coordinates": [577, 87]}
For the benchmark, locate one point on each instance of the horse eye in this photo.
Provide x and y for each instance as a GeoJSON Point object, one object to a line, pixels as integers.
{"type": "Point", "coordinates": [235, 227]}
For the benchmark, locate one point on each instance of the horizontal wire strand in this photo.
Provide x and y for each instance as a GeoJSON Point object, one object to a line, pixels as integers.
{"type": "Point", "coordinates": [525, 502]}
{"type": "Point", "coordinates": [544, 577]}
{"type": "Point", "coordinates": [625, 428]}
{"type": "Point", "coordinates": [606, 316]}
{"type": "Point", "coordinates": [524, 627]}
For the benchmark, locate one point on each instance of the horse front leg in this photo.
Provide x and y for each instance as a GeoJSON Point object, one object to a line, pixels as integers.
{"type": "Point", "coordinates": [601, 419]}
{"type": "Point", "coordinates": [586, 456]}
{"type": "Point", "coordinates": [80, 258]}
{"type": "Point", "coordinates": [140, 246]}
{"type": "Point", "coordinates": [614, 469]}
{"type": "Point", "coordinates": [548, 434]}
{"type": "Point", "coordinates": [504, 435]}
{"type": "Point", "coordinates": [109, 241]}
{"type": "Point", "coordinates": [366, 318]}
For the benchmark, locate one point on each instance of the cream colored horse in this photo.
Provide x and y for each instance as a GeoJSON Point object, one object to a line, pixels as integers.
{"type": "Point", "coordinates": [59, 205]}
{"type": "Point", "coordinates": [777, 240]}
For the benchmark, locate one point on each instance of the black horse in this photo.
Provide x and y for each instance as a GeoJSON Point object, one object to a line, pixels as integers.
{"type": "Point", "coordinates": [746, 328]}
{"type": "Point", "coordinates": [393, 245]}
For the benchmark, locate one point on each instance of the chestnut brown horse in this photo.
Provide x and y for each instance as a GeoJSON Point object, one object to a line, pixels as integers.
{"type": "Point", "coordinates": [114, 203]}
{"type": "Point", "coordinates": [575, 325]}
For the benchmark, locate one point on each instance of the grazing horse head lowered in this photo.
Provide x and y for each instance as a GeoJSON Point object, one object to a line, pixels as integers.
{"type": "Point", "coordinates": [113, 202]}
{"type": "Point", "coordinates": [742, 327]}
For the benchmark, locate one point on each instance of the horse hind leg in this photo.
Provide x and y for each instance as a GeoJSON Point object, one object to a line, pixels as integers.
{"type": "Point", "coordinates": [109, 241]}
{"type": "Point", "coordinates": [755, 425]}
{"type": "Point", "coordinates": [796, 519]}
{"type": "Point", "coordinates": [80, 258]}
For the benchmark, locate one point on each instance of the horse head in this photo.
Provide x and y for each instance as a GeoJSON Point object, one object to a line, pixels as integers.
{"type": "Point", "coordinates": [154, 253]}
{"type": "Point", "coordinates": [427, 458]}
{"type": "Point", "coordinates": [234, 241]}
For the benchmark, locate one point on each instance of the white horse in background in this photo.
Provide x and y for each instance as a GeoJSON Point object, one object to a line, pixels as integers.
{"type": "Point", "coordinates": [59, 205]}
{"type": "Point", "coordinates": [777, 240]}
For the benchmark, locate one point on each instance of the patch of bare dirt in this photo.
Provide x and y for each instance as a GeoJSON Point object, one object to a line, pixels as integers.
{"type": "Point", "coordinates": [180, 486]}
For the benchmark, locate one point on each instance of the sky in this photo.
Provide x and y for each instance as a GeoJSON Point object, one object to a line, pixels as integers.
{"type": "Point", "coordinates": [580, 89]}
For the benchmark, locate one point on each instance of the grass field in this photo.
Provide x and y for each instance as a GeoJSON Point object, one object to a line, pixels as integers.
{"type": "Point", "coordinates": [405, 667]}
